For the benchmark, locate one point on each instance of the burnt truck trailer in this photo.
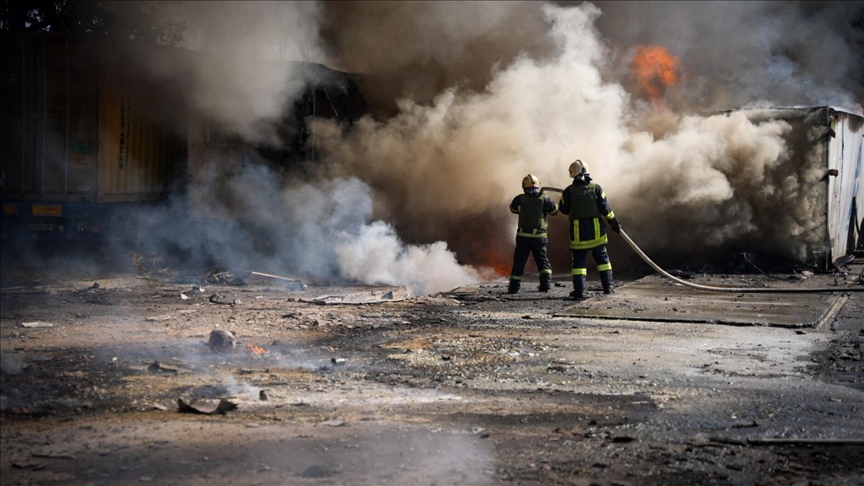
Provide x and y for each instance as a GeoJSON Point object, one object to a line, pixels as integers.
{"type": "Point", "coordinates": [86, 138]}
{"type": "Point", "coordinates": [89, 140]}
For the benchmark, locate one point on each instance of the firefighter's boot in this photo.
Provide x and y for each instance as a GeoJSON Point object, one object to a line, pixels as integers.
{"type": "Point", "coordinates": [545, 280]}
{"type": "Point", "coordinates": [513, 287]}
{"type": "Point", "coordinates": [578, 288]}
{"type": "Point", "coordinates": [606, 280]}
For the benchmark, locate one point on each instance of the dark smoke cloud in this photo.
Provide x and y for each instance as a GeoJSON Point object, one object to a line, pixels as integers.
{"type": "Point", "coordinates": [743, 53]}
{"type": "Point", "coordinates": [421, 49]}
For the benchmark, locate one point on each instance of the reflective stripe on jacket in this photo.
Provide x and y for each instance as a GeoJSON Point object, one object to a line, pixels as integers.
{"type": "Point", "coordinates": [532, 211]}
{"type": "Point", "coordinates": [587, 231]}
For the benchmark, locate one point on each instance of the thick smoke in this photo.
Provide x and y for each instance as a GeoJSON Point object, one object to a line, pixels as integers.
{"type": "Point", "coordinates": [323, 230]}
{"type": "Point", "coordinates": [738, 54]}
{"type": "Point", "coordinates": [241, 76]}
{"type": "Point", "coordinates": [482, 93]}
{"type": "Point", "coordinates": [674, 177]}
{"type": "Point", "coordinates": [240, 83]}
{"type": "Point", "coordinates": [421, 49]}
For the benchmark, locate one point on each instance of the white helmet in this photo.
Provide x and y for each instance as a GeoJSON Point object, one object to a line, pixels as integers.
{"type": "Point", "coordinates": [578, 168]}
{"type": "Point", "coordinates": [530, 181]}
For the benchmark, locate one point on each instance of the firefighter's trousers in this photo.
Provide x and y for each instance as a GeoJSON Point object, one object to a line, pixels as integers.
{"type": "Point", "coordinates": [524, 247]}
{"type": "Point", "coordinates": [580, 268]}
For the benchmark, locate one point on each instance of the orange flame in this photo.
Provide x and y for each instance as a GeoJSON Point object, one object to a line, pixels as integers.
{"type": "Point", "coordinates": [495, 260]}
{"type": "Point", "coordinates": [655, 68]}
{"type": "Point", "coordinates": [255, 349]}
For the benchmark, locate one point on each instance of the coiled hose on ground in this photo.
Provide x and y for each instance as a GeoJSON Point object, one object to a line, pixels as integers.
{"type": "Point", "coordinates": [722, 289]}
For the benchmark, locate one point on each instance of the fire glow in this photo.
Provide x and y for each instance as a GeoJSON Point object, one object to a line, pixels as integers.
{"type": "Point", "coordinates": [655, 68]}
{"type": "Point", "coordinates": [255, 349]}
{"type": "Point", "coordinates": [496, 260]}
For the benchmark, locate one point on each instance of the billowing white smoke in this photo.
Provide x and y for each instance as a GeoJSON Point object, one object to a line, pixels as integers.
{"type": "Point", "coordinates": [334, 218]}
{"type": "Point", "coordinates": [377, 256]}
{"type": "Point", "coordinates": [466, 153]}
{"type": "Point", "coordinates": [673, 179]}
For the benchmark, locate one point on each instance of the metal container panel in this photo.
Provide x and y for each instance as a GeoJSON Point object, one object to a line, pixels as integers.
{"type": "Point", "coordinates": [16, 110]}
{"type": "Point", "coordinates": [141, 151]}
{"type": "Point", "coordinates": [845, 189]}
{"type": "Point", "coordinates": [48, 131]}
{"type": "Point", "coordinates": [78, 122]}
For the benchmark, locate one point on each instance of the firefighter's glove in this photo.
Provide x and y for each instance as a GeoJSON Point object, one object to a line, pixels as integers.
{"type": "Point", "coordinates": [616, 226]}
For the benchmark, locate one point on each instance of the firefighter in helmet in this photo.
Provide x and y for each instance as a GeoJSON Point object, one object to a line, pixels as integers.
{"type": "Point", "coordinates": [532, 208]}
{"type": "Point", "coordinates": [584, 202]}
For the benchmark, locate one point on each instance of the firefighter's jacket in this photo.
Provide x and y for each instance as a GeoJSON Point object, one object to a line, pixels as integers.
{"type": "Point", "coordinates": [584, 202]}
{"type": "Point", "coordinates": [533, 209]}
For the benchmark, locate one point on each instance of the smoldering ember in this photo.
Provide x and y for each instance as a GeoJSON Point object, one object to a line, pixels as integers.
{"type": "Point", "coordinates": [443, 243]}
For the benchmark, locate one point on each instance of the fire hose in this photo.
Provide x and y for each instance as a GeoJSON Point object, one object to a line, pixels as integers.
{"type": "Point", "coordinates": [719, 289]}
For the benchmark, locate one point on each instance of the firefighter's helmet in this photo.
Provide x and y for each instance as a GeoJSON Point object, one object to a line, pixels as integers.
{"type": "Point", "coordinates": [530, 181]}
{"type": "Point", "coordinates": [578, 168]}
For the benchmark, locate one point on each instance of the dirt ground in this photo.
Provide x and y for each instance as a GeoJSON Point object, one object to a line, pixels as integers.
{"type": "Point", "coordinates": [471, 386]}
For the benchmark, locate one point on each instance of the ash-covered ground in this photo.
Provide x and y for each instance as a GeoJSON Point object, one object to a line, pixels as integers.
{"type": "Point", "coordinates": [471, 386]}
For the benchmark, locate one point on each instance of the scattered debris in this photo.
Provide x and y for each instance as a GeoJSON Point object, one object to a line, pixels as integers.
{"type": "Point", "coordinates": [332, 423]}
{"type": "Point", "coordinates": [291, 283]}
{"type": "Point", "coordinates": [556, 367]}
{"type": "Point", "coordinates": [36, 324]}
{"type": "Point", "coordinates": [89, 290]}
{"type": "Point", "coordinates": [160, 407]}
{"type": "Point", "coordinates": [225, 278]}
{"type": "Point", "coordinates": [218, 299]}
{"type": "Point", "coordinates": [206, 407]}
{"type": "Point", "coordinates": [158, 367]}
{"type": "Point", "coordinates": [222, 341]}
{"type": "Point", "coordinates": [361, 298]}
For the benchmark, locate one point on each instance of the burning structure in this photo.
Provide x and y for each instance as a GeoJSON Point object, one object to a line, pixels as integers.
{"type": "Point", "coordinates": [655, 384]}
{"type": "Point", "coordinates": [301, 179]}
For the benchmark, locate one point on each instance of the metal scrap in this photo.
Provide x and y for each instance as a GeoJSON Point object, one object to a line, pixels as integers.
{"type": "Point", "coordinates": [158, 367]}
{"type": "Point", "coordinates": [397, 295]}
{"type": "Point", "coordinates": [206, 407]}
{"type": "Point", "coordinates": [221, 341]}
{"type": "Point", "coordinates": [36, 324]}
{"type": "Point", "coordinates": [291, 283]}
{"type": "Point", "coordinates": [224, 278]}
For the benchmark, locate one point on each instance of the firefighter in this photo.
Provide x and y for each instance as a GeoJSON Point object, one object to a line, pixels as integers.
{"type": "Point", "coordinates": [532, 208]}
{"type": "Point", "coordinates": [584, 202]}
